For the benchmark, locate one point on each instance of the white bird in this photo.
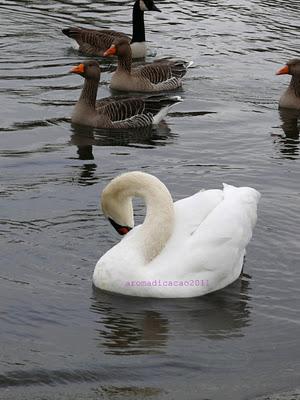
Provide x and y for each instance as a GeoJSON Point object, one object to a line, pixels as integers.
{"type": "Point", "coordinates": [183, 249]}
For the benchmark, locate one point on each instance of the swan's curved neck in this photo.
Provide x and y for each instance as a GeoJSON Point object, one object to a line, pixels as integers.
{"type": "Point", "coordinates": [159, 222]}
{"type": "Point", "coordinates": [138, 25]}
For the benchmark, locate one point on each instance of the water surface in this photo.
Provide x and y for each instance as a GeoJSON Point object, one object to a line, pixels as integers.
{"type": "Point", "coordinates": [61, 339]}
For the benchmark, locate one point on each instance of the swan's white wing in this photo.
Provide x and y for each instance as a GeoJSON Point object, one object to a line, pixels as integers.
{"type": "Point", "coordinates": [191, 211]}
{"type": "Point", "coordinates": [214, 249]}
{"type": "Point", "coordinates": [218, 245]}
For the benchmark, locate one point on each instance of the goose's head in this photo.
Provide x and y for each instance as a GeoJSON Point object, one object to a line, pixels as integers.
{"type": "Point", "coordinates": [117, 206]}
{"type": "Point", "coordinates": [292, 67]}
{"type": "Point", "coordinates": [120, 47]}
{"type": "Point", "coordinates": [88, 69]}
{"type": "Point", "coordinates": [147, 5]}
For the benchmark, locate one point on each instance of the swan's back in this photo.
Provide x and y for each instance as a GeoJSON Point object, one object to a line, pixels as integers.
{"type": "Point", "coordinates": [212, 229]}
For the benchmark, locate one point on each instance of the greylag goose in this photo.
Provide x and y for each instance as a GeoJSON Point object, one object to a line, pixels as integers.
{"type": "Point", "coordinates": [291, 96]}
{"type": "Point", "coordinates": [114, 112]}
{"type": "Point", "coordinates": [94, 42]}
{"type": "Point", "coordinates": [161, 75]}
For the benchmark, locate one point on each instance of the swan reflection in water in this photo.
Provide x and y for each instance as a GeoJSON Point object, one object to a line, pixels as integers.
{"type": "Point", "coordinates": [288, 144]}
{"type": "Point", "coordinates": [130, 325]}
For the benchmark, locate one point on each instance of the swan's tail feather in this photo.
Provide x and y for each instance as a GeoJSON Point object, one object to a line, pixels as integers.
{"type": "Point", "coordinates": [246, 196]}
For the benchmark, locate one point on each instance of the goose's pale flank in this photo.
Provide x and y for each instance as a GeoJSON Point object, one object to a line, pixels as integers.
{"type": "Point", "coordinates": [183, 249]}
{"type": "Point", "coordinates": [116, 112]}
{"type": "Point", "coordinates": [291, 96]}
{"type": "Point", "coordinates": [94, 42]}
{"type": "Point", "coordinates": [161, 75]}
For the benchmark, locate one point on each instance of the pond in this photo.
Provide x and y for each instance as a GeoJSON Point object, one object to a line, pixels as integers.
{"type": "Point", "coordinates": [60, 338]}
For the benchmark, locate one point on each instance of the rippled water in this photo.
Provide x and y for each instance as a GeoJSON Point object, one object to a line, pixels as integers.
{"type": "Point", "coordinates": [59, 339]}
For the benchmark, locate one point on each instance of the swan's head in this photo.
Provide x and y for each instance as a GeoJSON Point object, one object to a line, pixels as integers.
{"type": "Point", "coordinates": [117, 206]}
{"type": "Point", "coordinates": [147, 5]}
{"type": "Point", "coordinates": [120, 47]}
{"type": "Point", "coordinates": [88, 69]}
{"type": "Point", "coordinates": [292, 67]}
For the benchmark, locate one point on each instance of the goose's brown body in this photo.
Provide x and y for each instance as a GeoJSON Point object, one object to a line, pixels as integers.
{"type": "Point", "coordinates": [161, 75]}
{"type": "Point", "coordinates": [93, 42]}
{"type": "Point", "coordinates": [113, 112]}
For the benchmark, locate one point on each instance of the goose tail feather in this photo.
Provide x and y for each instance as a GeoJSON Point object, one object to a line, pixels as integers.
{"type": "Point", "coordinates": [71, 32]}
{"type": "Point", "coordinates": [164, 111]}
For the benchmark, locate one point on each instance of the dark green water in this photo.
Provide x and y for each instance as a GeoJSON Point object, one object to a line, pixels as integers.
{"type": "Point", "coordinates": [59, 339]}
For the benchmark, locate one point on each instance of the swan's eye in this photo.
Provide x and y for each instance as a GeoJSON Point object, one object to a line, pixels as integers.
{"type": "Point", "coordinates": [122, 230]}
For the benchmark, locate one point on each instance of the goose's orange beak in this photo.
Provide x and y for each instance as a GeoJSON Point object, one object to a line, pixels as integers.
{"type": "Point", "coordinates": [78, 69]}
{"type": "Point", "coordinates": [112, 51]}
{"type": "Point", "coordinates": [283, 70]}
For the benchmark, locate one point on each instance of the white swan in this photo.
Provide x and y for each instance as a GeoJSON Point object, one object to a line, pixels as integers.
{"type": "Point", "coordinates": [183, 249]}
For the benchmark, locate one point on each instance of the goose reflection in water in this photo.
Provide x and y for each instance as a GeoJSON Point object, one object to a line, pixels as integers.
{"type": "Point", "coordinates": [151, 137]}
{"type": "Point", "coordinates": [288, 145]}
{"type": "Point", "coordinates": [86, 137]}
{"type": "Point", "coordinates": [129, 325]}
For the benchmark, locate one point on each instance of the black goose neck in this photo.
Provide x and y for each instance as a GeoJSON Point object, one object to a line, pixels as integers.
{"type": "Point", "coordinates": [138, 33]}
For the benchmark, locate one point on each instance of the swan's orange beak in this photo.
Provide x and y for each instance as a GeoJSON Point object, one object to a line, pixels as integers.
{"type": "Point", "coordinates": [283, 70]}
{"type": "Point", "coordinates": [112, 51]}
{"type": "Point", "coordinates": [78, 69]}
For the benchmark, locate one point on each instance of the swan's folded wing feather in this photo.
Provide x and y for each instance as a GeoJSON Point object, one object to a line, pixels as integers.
{"type": "Point", "coordinates": [212, 246]}
{"type": "Point", "coordinates": [221, 239]}
{"type": "Point", "coordinates": [191, 211]}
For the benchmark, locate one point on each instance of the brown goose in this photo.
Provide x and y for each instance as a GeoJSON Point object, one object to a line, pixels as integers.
{"type": "Point", "coordinates": [161, 75]}
{"type": "Point", "coordinates": [94, 42]}
{"type": "Point", "coordinates": [291, 96]}
{"type": "Point", "coordinates": [115, 112]}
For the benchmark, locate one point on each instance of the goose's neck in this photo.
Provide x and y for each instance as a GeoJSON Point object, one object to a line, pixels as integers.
{"type": "Point", "coordinates": [138, 33]}
{"type": "Point", "coordinates": [89, 93]}
{"type": "Point", "coordinates": [152, 235]}
{"type": "Point", "coordinates": [125, 62]}
{"type": "Point", "coordinates": [295, 85]}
